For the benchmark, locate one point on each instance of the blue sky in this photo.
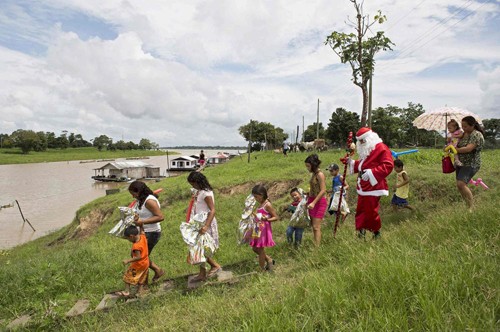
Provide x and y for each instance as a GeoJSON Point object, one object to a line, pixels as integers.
{"type": "Point", "coordinates": [192, 72]}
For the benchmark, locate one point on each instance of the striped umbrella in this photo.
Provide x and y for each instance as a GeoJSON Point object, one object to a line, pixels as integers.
{"type": "Point", "coordinates": [438, 119]}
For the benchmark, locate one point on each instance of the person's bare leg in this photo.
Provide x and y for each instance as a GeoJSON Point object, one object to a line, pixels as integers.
{"type": "Point", "coordinates": [316, 226]}
{"type": "Point", "coordinates": [214, 266]}
{"type": "Point", "coordinates": [466, 194]}
{"type": "Point", "coordinates": [202, 275]}
{"type": "Point", "coordinates": [409, 207]}
{"type": "Point", "coordinates": [262, 257]}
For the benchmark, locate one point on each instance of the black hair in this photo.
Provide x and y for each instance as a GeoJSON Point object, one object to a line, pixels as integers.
{"type": "Point", "coordinates": [294, 190]}
{"type": "Point", "coordinates": [130, 230]}
{"type": "Point", "coordinates": [398, 163]}
{"type": "Point", "coordinates": [471, 121]}
{"type": "Point", "coordinates": [200, 179]}
{"type": "Point", "coordinates": [260, 190]}
{"type": "Point", "coordinates": [314, 161]}
{"type": "Point", "coordinates": [142, 190]}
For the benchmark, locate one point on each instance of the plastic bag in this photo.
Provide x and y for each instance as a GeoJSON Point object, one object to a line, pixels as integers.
{"type": "Point", "coordinates": [447, 165]}
{"type": "Point", "coordinates": [127, 218]}
{"type": "Point", "coordinates": [334, 204]}
{"type": "Point", "coordinates": [200, 245]}
{"type": "Point", "coordinates": [247, 224]}
{"type": "Point", "coordinates": [300, 218]}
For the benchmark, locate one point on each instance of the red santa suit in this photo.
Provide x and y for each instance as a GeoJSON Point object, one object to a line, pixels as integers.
{"type": "Point", "coordinates": [371, 183]}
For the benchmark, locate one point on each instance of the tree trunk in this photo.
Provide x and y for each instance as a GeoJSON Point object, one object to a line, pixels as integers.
{"type": "Point", "coordinates": [364, 111]}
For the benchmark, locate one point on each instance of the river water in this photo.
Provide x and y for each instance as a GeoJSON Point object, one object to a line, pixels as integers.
{"type": "Point", "coordinates": [49, 194]}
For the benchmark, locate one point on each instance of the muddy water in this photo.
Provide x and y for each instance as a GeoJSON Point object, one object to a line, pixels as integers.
{"type": "Point", "coordinates": [50, 194]}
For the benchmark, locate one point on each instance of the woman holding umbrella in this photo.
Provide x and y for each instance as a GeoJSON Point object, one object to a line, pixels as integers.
{"type": "Point", "coordinates": [469, 150]}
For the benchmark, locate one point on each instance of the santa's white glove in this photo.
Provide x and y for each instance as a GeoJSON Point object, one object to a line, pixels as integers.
{"type": "Point", "coordinates": [365, 176]}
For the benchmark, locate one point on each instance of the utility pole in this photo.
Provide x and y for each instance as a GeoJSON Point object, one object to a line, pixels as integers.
{"type": "Point", "coordinates": [317, 122]}
{"type": "Point", "coordinates": [250, 142]}
{"type": "Point", "coordinates": [303, 138]}
{"type": "Point", "coordinates": [370, 101]}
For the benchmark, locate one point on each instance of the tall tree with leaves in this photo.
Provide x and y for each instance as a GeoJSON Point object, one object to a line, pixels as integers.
{"type": "Point", "coordinates": [341, 123]}
{"type": "Point", "coordinates": [26, 140]}
{"type": "Point", "coordinates": [492, 132]}
{"type": "Point", "coordinates": [310, 132]}
{"type": "Point", "coordinates": [263, 133]}
{"type": "Point", "coordinates": [359, 51]}
{"type": "Point", "coordinates": [102, 141]}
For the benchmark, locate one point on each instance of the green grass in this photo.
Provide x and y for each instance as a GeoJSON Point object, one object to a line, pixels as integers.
{"type": "Point", "coordinates": [15, 156]}
{"type": "Point", "coordinates": [436, 269]}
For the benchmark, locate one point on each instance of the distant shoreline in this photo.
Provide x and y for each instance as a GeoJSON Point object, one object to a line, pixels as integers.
{"type": "Point", "coordinates": [203, 147]}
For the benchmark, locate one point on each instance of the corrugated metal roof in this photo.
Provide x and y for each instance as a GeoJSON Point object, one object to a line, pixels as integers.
{"type": "Point", "coordinates": [125, 164]}
{"type": "Point", "coordinates": [184, 158]}
{"type": "Point", "coordinates": [219, 156]}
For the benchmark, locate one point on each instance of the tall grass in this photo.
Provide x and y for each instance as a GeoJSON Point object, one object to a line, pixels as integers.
{"type": "Point", "coordinates": [435, 269]}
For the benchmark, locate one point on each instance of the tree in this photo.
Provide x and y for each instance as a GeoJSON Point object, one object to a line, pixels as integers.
{"type": "Point", "coordinates": [5, 141]}
{"type": "Point", "coordinates": [387, 124]}
{"type": "Point", "coordinates": [263, 133]}
{"type": "Point", "coordinates": [62, 141]}
{"type": "Point", "coordinates": [79, 142]}
{"type": "Point", "coordinates": [358, 51]}
{"type": "Point", "coordinates": [25, 139]}
{"type": "Point", "coordinates": [341, 123]}
{"type": "Point", "coordinates": [145, 144]}
{"type": "Point", "coordinates": [42, 144]}
{"type": "Point", "coordinates": [102, 141]}
{"type": "Point", "coordinates": [51, 140]}
{"type": "Point", "coordinates": [492, 132]}
{"type": "Point", "coordinates": [395, 126]}
{"type": "Point", "coordinates": [310, 132]}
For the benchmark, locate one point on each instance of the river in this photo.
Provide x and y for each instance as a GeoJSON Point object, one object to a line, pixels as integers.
{"type": "Point", "coordinates": [49, 194]}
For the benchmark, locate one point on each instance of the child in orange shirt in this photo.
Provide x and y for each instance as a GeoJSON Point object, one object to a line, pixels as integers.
{"type": "Point", "coordinates": [137, 272]}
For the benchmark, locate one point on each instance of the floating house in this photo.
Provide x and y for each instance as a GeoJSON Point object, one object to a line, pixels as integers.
{"type": "Point", "coordinates": [122, 171]}
{"type": "Point", "coordinates": [219, 158]}
{"type": "Point", "coordinates": [183, 163]}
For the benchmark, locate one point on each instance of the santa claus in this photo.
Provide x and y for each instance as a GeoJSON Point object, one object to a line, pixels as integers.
{"type": "Point", "coordinates": [374, 165]}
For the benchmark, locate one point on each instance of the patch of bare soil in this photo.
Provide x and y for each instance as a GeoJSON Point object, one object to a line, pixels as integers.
{"type": "Point", "coordinates": [275, 189]}
{"type": "Point", "coordinates": [87, 226]}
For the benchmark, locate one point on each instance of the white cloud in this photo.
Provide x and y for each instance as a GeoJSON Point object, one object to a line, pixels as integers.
{"type": "Point", "coordinates": [193, 72]}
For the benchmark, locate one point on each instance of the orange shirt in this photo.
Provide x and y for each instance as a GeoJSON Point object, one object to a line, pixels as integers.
{"type": "Point", "coordinates": [142, 246]}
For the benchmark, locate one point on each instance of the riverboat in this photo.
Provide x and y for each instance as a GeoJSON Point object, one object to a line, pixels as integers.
{"type": "Point", "coordinates": [125, 171]}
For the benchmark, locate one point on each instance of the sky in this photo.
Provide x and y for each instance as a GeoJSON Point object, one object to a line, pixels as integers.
{"type": "Point", "coordinates": [193, 72]}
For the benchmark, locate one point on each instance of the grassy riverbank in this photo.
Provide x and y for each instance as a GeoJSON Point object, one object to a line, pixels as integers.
{"type": "Point", "coordinates": [15, 156]}
{"type": "Point", "coordinates": [436, 269]}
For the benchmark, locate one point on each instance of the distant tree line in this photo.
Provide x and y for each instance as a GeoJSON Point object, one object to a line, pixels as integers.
{"type": "Point", "coordinates": [29, 140]}
{"type": "Point", "coordinates": [393, 124]}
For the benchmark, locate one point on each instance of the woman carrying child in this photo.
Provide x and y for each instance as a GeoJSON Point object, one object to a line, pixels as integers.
{"type": "Point", "coordinates": [204, 202]}
{"type": "Point", "coordinates": [316, 201]}
{"type": "Point", "coordinates": [469, 148]}
{"type": "Point", "coordinates": [263, 217]}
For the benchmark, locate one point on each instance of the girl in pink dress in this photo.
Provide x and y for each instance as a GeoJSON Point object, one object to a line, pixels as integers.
{"type": "Point", "coordinates": [263, 233]}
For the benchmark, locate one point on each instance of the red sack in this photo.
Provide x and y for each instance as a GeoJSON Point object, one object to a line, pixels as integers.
{"type": "Point", "coordinates": [189, 210]}
{"type": "Point", "coordinates": [447, 165]}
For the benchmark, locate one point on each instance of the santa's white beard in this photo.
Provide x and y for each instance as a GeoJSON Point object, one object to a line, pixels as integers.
{"type": "Point", "coordinates": [366, 148]}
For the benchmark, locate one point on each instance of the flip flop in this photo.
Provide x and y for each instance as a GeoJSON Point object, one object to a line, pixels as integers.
{"type": "Point", "coordinates": [121, 294]}
{"type": "Point", "coordinates": [198, 279]}
{"type": "Point", "coordinates": [157, 276]}
{"type": "Point", "coordinates": [212, 272]}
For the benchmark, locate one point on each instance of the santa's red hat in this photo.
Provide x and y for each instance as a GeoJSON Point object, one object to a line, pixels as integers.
{"type": "Point", "coordinates": [363, 133]}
